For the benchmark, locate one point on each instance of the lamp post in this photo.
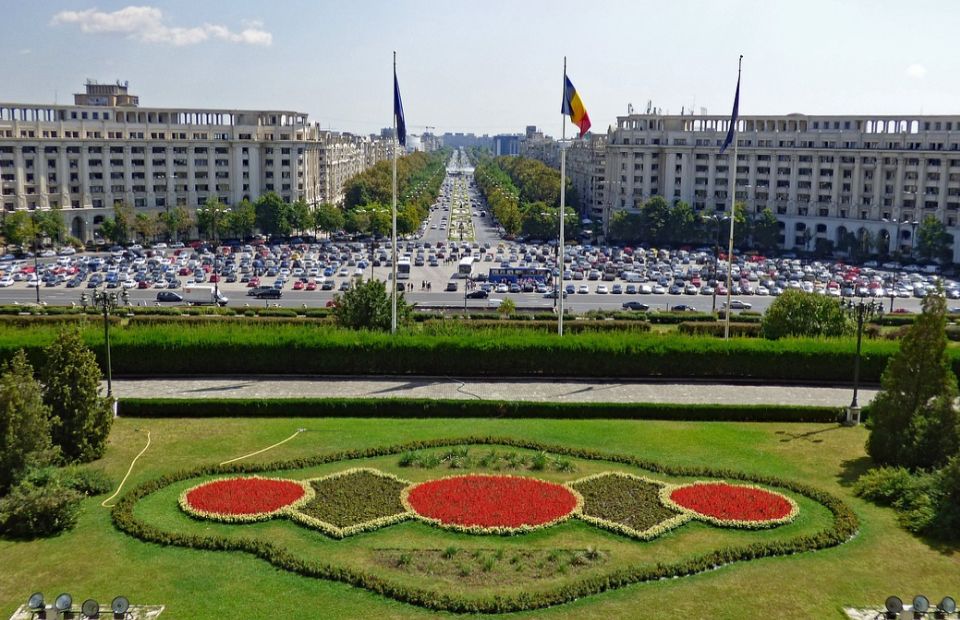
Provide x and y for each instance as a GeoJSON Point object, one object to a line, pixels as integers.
{"type": "Point", "coordinates": [861, 310]}
{"type": "Point", "coordinates": [718, 219]}
{"type": "Point", "coordinates": [913, 238]}
{"type": "Point", "coordinates": [106, 301]}
{"type": "Point", "coordinates": [36, 264]}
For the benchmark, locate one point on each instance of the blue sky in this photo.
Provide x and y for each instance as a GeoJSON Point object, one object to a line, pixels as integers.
{"type": "Point", "coordinates": [491, 66]}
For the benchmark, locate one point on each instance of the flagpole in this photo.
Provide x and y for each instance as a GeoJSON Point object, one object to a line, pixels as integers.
{"type": "Point", "coordinates": [733, 210]}
{"type": "Point", "coordinates": [393, 234]}
{"type": "Point", "coordinates": [558, 289]}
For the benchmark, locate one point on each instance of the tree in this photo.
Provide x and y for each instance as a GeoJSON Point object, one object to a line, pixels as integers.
{"type": "Point", "coordinates": [741, 225]}
{"type": "Point", "coordinates": [766, 231]}
{"type": "Point", "coordinates": [175, 222]}
{"type": "Point", "coordinates": [50, 224]}
{"type": "Point", "coordinates": [933, 241]}
{"type": "Point", "coordinates": [145, 226]}
{"type": "Point", "coordinates": [71, 389]}
{"type": "Point", "coordinates": [625, 227]}
{"type": "Point", "coordinates": [682, 226]}
{"type": "Point", "coordinates": [381, 221]}
{"type": "Point", "coordinates": [507, 308]}
{"type": "Point", "coordinates": [273, 215]}
{"type": "Point", "coordinates": [24, 422]}
{"type": "Point", "coordinates": [19, 228]}
{"type": "Point", "coordinates": [913, 417]}
{"type": "Point", "coordinates": [655, 218]}
{"type": "Point", "coordinates": [367, 305]}
{"type": "Point", "coordinates": [796, 313]}
{"type": "Point", "coordinates": [357, 222]}
{"type": "Point", "coordinates": [123, 220]}
{"type": "Point", "coordinates": [242, 219]}
{"type": "Point", "coordinates": [301, 218]}
{"type": "Point", "coordinates": [212, 219]}
{"type": "Point", "coordinates": [328, 218]}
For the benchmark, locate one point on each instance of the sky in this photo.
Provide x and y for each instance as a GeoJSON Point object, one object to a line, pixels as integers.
{"type": "Point", "coordinates": [493, 66]}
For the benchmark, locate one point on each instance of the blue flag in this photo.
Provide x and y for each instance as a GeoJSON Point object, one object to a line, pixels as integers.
{"type": "Point", "coordinates": [732, 132]}
{"type": "Point", "coordinates": [398, 112]}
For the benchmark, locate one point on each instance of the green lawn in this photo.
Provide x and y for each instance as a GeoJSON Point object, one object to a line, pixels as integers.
{"type": "Point", "coordinates": [98, 561]}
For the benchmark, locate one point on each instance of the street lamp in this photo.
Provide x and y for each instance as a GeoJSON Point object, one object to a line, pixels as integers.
{"type": "Point", "coordinates": [861, 310]}
{"type": "Point", "coordinates": [913, 237]}
{"type": "Point", "coordinates": [718, 219]}
{"type": "Point", "coordinates": [106, 301]}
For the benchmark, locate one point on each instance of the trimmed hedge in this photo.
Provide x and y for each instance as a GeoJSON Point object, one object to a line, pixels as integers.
{"type": "Point", "coordinates": [457, 408]}
{"type": "Point", "coordinates": [843, 527]}
{"type": "Point", "coordinates": [569, 325]}
{"type": "Point", "coordinates": [717, 329]}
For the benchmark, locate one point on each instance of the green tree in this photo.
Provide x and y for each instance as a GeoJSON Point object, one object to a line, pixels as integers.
{"type": "Point", "coordinates": [507, 308]}
{"type": "Point", "coordinates": [742, 229]}
{"type": "Point", "coordinates": [24, 422]}
{"type": "Point", "coordinates": [50, 224]}
{"type": "Point", "coordinates": [145, 226]}
{"type": "Point", "coordinates": [175, 222]}
{"type": "Point", "coordinates": [123, 220]}
{"type": "Point", "coordinates": [796, 313]}
{"type": "Point", "coordinates": [367, 305]}
{"type": "Point", "coordinates": [626, 227]}
{"type": "Point", "coordinates": [357, 222]}
{"type": "Point", "coordinates": [682, 227]}
{"type": "Point", "coordinates": [913, 417]}
{"type": "Point", "coordinates": [381, 221]}
{"type": "Point", "coordinates": [328, 218]}
{"type": "Point", "coordinates": [212, 219]}
{"type": "Point", "coordinates": [933, 241]}
{"type": "Point", "coordinates": [20, 229]}
{"type": "Point", "coordinates": [766, 231]}
{"type": "Point", "coordinates": [273, 215]}
{"type": "Point", "coordinates": [655, 219]}
{"type": "Point", "coordinates": [71, 389]}
{"type": "Point", "coordinates": [242, 219]}
{"type": "Point", "coordinates": [301, 218]}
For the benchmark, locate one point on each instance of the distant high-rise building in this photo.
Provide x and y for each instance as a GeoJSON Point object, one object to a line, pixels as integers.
{"type": "Point", "coordinates": [506, 145]}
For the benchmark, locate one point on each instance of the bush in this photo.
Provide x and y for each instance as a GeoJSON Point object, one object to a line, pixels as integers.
{"type": "Point", "coordinates": [918, 497]}
{"type": "Point", "coordinates": [718, 328]}
{"type": "Point", "coordinates": [24, 422]}
{"type": "Point", "coordinates": [31, 511]}
{"type": "Point", "coordinates": [795, 313]}
{"type": "Point", "coordinates": [368, 305]}
{"type": "Point", "coordinates": [82, 480]}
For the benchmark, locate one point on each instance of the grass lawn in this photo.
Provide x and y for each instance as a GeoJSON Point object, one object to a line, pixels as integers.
{"type": "Point", "coordinates": [95, 560]}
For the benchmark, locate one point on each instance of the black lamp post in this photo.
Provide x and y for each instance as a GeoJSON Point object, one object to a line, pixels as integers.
{"type": "Point", "coordinates": [106, 301]}
{"type": "Point", "coordinates": [718, 219]}
{"type": "Point", "coordinates": [861, 310]}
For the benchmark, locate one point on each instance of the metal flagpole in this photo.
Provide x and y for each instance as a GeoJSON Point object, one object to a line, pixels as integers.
{"type": "Point", "coordinates": [558, 289]}
{"type": "Point", "coordinates": [733, 211]}
{"type": "Point", "coordinates": [393, 234]}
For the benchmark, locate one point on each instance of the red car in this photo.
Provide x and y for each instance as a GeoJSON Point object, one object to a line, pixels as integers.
{"type": "Point", "coordinates": [143, 284]}
{"type": "Point", "coordinates": [214, 278]}
{"type": "Point", "coordinates": [253, 282]}
{"type": "Point", "coordinates": [311, 286]}
{"type": "Point", "coordinates": [298, 285]}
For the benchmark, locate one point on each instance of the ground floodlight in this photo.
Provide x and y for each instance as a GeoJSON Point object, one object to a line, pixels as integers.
{"type": "Point", "coordinates": [120, 605]}
{"type": "Point", "coordinates": [35, 603]}
{"type": "Point", "coordinates": [947, 605]}
{"type": "Point", "coordinates": [90, 608]}
{"type": "Point", "coordinates": [63, 602]}
{"type": "Point", "coordinates": [921, 604]}
{"type": "Point", "coordinates": [894, 606]}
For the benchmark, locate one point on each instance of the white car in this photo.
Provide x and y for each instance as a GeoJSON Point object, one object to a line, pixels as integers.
{"type": "Point", "coordinates": [602, 289]}
{"type": "Point", "coordinates": [6, 281]}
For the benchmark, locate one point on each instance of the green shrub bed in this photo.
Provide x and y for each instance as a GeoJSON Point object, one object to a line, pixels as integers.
{"type": "Point", "coordinates": [718, 329]}
{"type": "Point", "coordinates": [447, 408]}
{"type": "Point", "coordinates": [844, 526]}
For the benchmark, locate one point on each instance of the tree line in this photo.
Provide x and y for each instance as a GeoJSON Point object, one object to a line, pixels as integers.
{"type": "Point", "coordinates": [524, 196]}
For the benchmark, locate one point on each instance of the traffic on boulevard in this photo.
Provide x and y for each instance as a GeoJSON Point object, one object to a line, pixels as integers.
{"type": "Point", "coordinates": [457, 259]}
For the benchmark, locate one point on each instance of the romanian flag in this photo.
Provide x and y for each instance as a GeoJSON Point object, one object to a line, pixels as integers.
{"type": "Point", "coordinates": [573, 107]}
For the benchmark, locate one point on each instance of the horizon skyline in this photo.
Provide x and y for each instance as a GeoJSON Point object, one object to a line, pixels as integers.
{"type": "Point", "coordinates": [488, 78]}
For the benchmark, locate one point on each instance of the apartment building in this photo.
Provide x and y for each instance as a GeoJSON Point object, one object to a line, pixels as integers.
{"type": "Point", "coordinates": [823, 176]}
{"type": "Point", "coordinates": [106, 149]}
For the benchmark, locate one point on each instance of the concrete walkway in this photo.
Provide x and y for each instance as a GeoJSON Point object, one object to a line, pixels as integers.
{"type": "Point", "coordinates": [561, 390]}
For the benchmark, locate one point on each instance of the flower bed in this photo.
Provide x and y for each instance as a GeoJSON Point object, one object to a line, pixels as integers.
{"type": "Point", "coordinates": [483, 504]}
{"type": "Point", "coordinates": [627, 504]}
{"type": "Point", "coordinates": [729, 505]}
{"type": "Point", "coordinates": [240, 500]}
{"type": "Point", "coordinates": [353, 501]}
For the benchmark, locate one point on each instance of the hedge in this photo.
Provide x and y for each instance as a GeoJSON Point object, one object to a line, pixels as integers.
{"type": "Point", "coordinates": [717, 329]}
{"type": "Point", "coordinates": [234, 347]}
{"type": "Point", "coordinates": [843, 527]}
{"type": "Point", "coordinates": [569, 325]}
{"type": "Point", "coordinates": [461, 408]}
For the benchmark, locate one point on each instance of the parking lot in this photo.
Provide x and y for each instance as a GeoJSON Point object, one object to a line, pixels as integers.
{"type": "Point", "coordinates": [434, 272]}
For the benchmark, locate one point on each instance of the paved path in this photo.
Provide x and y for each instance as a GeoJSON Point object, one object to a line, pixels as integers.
{"type": "Point", "coordinates": [561, 390]}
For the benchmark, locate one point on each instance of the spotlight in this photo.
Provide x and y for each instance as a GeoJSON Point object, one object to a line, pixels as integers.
{"type": "Point", "coordinates": [35, 603]}
{"type": "Point", "coordinates": [946, 606]}
{"type": "Point", "coordinates": [921, 605]}
{"type": "Point", "coordinates": [63, 603]}
{"type": "Point", "coordinates": [894, 606]}
{"type": "Point", "coordinates": [119, 606]}
{"type": "Point", "coordinates": [90, 608]}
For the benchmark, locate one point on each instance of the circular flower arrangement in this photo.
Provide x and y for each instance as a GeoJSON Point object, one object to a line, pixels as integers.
{"type": "Point", "coordinates": [244, 499]}
{"type": "Point", "coordinates": [730, 505]}
{"type": "Point", "coordinates": [483, 504]}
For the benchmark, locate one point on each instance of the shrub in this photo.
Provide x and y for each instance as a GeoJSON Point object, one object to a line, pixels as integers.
{"type": "Point", "coordinates": [916, 497]}
{"type": "Point", "coordinates": [71, 389]}
{"type": "Point", "coordinates": [796, 313]}
{"type": "Point", "coordinates": [717, 329]}
{"type": "Point", "coordinates": [367, 305]}
{"type": "Point", "coordinates": [24, 422]}
{"type": "Point", "coordinates": [30, 511]}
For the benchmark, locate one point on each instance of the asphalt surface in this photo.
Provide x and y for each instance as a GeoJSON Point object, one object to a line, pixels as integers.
{"type": "Point", "coordinates": [542, 390]}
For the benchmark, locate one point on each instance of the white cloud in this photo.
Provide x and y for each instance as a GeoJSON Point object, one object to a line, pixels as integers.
{"type": "Point", "coordinates": [146, 23]}
{"type": "Point", "coordinates": [917, 71]}
{"type": "Point", "coordinates": [25, 51]}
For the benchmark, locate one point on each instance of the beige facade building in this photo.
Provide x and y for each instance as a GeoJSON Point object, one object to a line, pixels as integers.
{"type": "Point", "coordinates": [105, 149]}
{"type": "Point", "coordinates": [829, 175]}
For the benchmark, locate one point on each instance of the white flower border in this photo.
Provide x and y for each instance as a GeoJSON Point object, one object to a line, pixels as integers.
{"type": "Point", "coordinates": [335, 531]}
{"type": "Point", "coordinates": [490, 530]}
{"type": "Point", "coordinates": [668, 489]}
{"type": "Point", "coordinates": [619, 528]}
{"type": "Point", "coordinates": [308, 495]}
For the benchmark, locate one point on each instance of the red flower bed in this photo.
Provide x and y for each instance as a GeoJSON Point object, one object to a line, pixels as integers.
{"type": "Point", "coordinates": [243, 496]}
{"type": "Point", "coordinates": [491, 502]}
{"type": "Point", "coordinates": [727, 502]}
